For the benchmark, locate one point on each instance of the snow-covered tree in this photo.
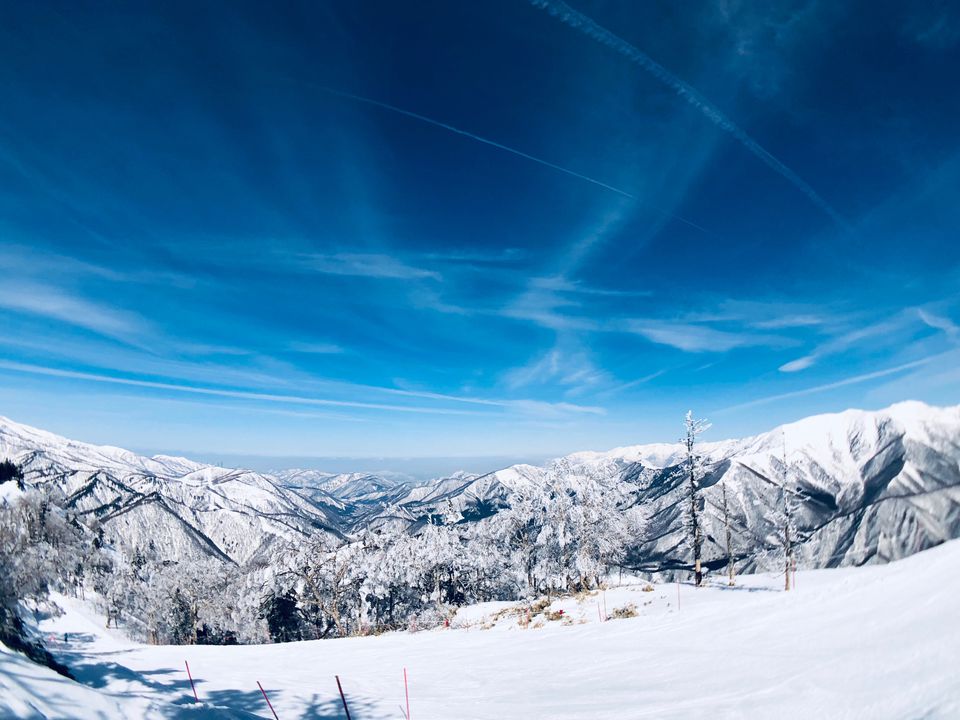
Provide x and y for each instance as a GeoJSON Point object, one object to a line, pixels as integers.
{"type": "Point", "coordinates": [40, 550]}
{"type": "Point", "coordinates": [567, 531]}
{"type": "Point", "coordinates": [783, 517]}
{"type": "Point", "coordinates": [325, 570]}
{"type": "Point", "coordinates": [693, 471]}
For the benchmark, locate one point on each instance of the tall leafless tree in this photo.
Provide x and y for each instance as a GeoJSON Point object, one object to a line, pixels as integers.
{"type": "Point", "coordinates": [726, 525]}
{"type": "Point", "coordinates": [787, 503]}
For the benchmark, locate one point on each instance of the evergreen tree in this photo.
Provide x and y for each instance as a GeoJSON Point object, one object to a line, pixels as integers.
{"type": "Point", "coordinates": [180, 621]}
{"type": "Point", "coordinates": [284, 621]}
{"type": "Point", "coordinates": [10, 472]}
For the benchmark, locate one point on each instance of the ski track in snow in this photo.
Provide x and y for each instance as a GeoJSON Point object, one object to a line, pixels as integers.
{"type": "Point", "coordinates": [871, 642]}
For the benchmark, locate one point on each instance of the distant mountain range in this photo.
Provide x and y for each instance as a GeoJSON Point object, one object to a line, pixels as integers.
{"type": "Point", "coordinates": [864, 487]}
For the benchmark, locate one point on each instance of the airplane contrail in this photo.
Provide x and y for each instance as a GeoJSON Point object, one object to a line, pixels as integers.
{"type": "Point", "coordinates": [579, 21]}
{"type": "Point", "coordinates": [505, 148]}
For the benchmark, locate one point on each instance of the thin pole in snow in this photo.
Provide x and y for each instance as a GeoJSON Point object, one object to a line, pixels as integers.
{"type": "Point", "coordinates": [678, 596]}
{"type": "Point", "coordinates": [406, 690]}
{"type": "Point", "coordinates": [195, 698]}
{"type": "Point", "coordinates": [269, 705]}
{"type": "Point", "coordinates": [599, 615]}
{"type": "Point", "coordinates": [343, 697]}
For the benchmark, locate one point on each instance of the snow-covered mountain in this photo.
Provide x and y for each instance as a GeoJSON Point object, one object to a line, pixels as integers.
{"type": "Point", "coordinates": [865, 486]}
{"type": "Point", "coordinates": [180, 507]}
{"type": "Point", "coordinates": [343, 486]}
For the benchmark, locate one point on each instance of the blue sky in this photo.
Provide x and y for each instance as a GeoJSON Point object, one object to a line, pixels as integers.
{"type": "Point", "coordinates": [502, 229]}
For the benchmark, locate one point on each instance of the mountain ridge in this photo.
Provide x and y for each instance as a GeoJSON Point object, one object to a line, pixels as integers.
{"type": "Point", "coordinates": [869, 486]}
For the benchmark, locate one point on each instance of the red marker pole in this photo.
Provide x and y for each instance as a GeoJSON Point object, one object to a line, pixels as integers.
{"type": "Point", "coordinates": [406, 690]}
{"type": "Point", "coordinates": [342, 697]}
{"type": "Point", "coordinates": [268, 700]}
{"type": "Point", "coordinates": [195, 698]}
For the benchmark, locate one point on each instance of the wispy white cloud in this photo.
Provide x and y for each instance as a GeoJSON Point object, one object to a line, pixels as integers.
{"type": "Point", "coordinates": [940, 322]}
{"type": "Point", "coordinates": [790, 321]}
{"type": "Point", "coordinates": [937, 382]}
{"type": "Point", "coordinates": [766, 314]}
{"type": "Point", "coordinates": [189, 362]}
{"type": "Point", "coordinates": [314, 348]}
{"type": "Point", "coordinates": [554, 410]}
{"type": "Point", "coordinates": [697, 338]}
{"type": "Point", "coordinates": [467, 257]}
{"type": "Point", "coordinates": [219, 392]}
{"type": "Point", "coordinates": [623, 387]}
{"type": "Point", "coordinates": [23, 259]}
{"type": "Point", "coordinates": [364, 265]}
{"type": "Point", "coordinates": [853, 380]}
{"type": "Point", "coordinates": [799, 364]}
{"type": "Point", "coordinates": [546, 308]}
{"type": "Point", "coordinates": [524, 406]}
{"type": "Point", "coordinates": [889, 330]}
{"type": "Point", "coordinates": [58, 304]}
{"type": "Point", "coordinates": [557, 303]}
{"type": "Point", "coordinates": [571, 369]}
{"type": "Point", "coordinates": [192, 348]}
{"type": "Point", "coordinates": [253, 409]}
{"type": "Point", "coordinates": [47, 265]}
{"type": "Point", "coordinates": [561, 284]}
{"type": "Point", "coordinates": [428, 298]}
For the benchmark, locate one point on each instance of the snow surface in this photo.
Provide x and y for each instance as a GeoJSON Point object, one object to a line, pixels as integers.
{"type": "Point", "coordinates": [870, 642]}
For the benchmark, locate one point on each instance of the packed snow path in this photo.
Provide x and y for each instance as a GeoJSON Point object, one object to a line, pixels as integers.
{"type": "Point", "coordinates": [872, 642]}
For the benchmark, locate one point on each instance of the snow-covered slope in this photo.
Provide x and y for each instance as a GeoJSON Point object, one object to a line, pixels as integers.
{"type": "Point", "coordinates": [878, 643]}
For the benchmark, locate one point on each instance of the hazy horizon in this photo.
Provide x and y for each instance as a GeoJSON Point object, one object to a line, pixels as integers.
{"type": "Point", "coordinates": [413, 468]}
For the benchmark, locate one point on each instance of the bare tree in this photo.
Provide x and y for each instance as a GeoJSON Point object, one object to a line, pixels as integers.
{"type": "Point", "coordinates": [787, 520]}
{"type": "Point", "coordinates": [726, 525]}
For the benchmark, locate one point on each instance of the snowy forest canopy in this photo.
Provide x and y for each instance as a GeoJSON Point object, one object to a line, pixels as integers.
{"type": "Point", "coordinates": [559, 536]}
